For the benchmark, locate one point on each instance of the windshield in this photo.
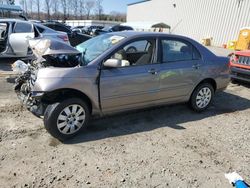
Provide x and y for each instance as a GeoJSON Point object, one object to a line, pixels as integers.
{"type": "Point", "coordinates": [96, 46]}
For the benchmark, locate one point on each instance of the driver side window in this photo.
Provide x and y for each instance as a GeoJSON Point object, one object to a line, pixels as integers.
{"type": "Point", "coordinates": [140, 52]}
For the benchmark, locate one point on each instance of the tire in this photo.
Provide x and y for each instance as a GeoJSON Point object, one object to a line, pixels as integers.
{"type": "Point", "coordinates": [65, 119]}
{"type": "Point", "coordinates": [201, 97]}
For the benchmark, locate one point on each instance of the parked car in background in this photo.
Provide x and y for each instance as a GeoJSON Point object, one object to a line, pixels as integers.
{"type": "Point", "coordinates": [240, 66]}
{"type": "Point", "coordinates": [78, 29]}
{"type": "Point", "coordinates": [89, 30]}
{"type": "Point", "coordinates": [106, 79]}
{"type": "Point", "coordinates": [115, 28]}
{"type": "Point", "coordinates": [57, 22]}
{"type": "Point", "coordinates": [14, 35]}
{"type": "Point", "coordinates": [75, 38]}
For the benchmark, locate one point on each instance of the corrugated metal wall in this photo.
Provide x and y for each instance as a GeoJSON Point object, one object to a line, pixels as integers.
{"type": "Point", "coordinates": [219, 19]}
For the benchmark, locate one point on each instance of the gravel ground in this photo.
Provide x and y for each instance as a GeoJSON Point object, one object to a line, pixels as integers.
{"type": "Point", "coordinates": [168, 146]}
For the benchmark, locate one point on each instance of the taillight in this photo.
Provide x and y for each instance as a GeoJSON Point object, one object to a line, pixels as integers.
{"type": "Point", "coordinates": [64, 37]}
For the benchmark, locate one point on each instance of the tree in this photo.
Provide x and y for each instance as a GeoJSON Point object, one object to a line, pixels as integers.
{"type": "Point", "coordinates": [47, 8]}
{"type": "Point", "coordinates": [55, 6]}
{"type": "Point", "coordinates": [117, 16]}
{"type": "Point", "coordinates": [23, 3]}
{"type": "Point", "coordinates": [89, 6]}
{"type": "Point", "coordinates": [64, 4]}
{"type": "Point", "coordinates": [99, 8]}
{"type": "Point", "coordinates": [74, 5]}
{"type": "Point", "coordinates": [38, 6]}
{"type": "Point", "coordinates": [82, 8]}
{"type": "Point", "coordinates": [30, 2]}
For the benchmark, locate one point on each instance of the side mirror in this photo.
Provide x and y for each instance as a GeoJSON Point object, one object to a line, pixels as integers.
{"type": "Point", "coordinates": [114, 63]}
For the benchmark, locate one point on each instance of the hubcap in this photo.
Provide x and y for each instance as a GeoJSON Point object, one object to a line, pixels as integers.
{"type": "Point", "coordinates": [71, 119]}
{"type": "Point", "coordinates": [203, 97]}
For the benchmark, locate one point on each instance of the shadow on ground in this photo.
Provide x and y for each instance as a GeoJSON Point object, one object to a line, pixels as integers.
{"type": "Point", "coordinates": [154, 118]}
{"type": "Point", "coordinates": [241, 83]}
{"type": "Point", "coordinates": [5, 64]}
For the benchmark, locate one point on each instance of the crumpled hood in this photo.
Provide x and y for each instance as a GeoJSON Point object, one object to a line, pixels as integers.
{"type": "Point", "coordinates": [54, 53]}
{"type": "Point", "coordinates": [43, 47]}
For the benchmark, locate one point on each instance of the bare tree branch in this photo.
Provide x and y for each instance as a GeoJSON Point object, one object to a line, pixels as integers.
{"type": "Point", "coordinates": [89, 6]}
{"type": "Point", "coordinates": [47, 8]}
{"type": "Point", "coordinates": [99, 8]}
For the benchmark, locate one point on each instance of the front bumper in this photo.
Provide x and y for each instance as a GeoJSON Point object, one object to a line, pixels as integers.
{"type": "Point", "coordinates": [32, 103]}
{"type": "Point", "coordinates": [30, 99]}
{"type": "Point", "coordinates": [240, 74]}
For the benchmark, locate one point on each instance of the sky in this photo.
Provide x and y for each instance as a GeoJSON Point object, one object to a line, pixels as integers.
{"type": "Point", "coordinates": [112, 5]}
{"type": "Point", "coordinates": [116, 5]}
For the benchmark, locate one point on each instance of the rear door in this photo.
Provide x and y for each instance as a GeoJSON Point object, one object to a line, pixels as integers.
{"type": "Point", "coordinates": [181, 66]}
{"type": "Point", "coordinates": [18, 39]}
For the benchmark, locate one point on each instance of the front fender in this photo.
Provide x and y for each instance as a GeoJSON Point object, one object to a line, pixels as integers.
{"type": "Point", "coordinates": [85, 85]}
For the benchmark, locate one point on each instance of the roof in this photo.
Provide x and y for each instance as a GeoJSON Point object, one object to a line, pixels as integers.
{"type": "Point", "coordinates": [10, 8]}
{"type": "Point", "coordinates": [138, 2]}
{"type": "Point", "coordinates": [129, 34]}
{"type": "Point", "coordinates": [12, 20]}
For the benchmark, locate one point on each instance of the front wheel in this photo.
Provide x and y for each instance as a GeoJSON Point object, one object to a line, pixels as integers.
{"type": "Point", "coordinates": [65, 119]}
{"type": "Point", "coordinates": [202, 97]}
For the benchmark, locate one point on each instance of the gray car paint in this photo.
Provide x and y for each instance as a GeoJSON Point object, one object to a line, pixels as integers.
{"type": "Point", "coordinates": [134, 87]}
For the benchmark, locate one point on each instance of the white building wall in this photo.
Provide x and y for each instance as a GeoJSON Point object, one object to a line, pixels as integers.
{"type": "Point", "coordinates": [219, 19]}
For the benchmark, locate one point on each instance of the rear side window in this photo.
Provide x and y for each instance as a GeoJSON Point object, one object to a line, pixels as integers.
{"type": "Point", "coordinates": [176, 50]}
{"type": "Point", "coordinates": [40, 29]}
{"type": "Point", "coordinates": [23, 28]}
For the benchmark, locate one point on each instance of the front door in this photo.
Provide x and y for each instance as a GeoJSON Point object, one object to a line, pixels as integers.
{"type": "Point", "coordinates": [135, 83]}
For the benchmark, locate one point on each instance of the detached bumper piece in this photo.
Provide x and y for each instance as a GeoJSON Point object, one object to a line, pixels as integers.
{"type": "Point", "coordinates": [31, 100]}
{"type": "Point", "coordinates": [32, 103]}
{"type": "Point", "coordinates": [240, 74]}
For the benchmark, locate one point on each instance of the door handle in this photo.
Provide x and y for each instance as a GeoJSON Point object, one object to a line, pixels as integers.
{"type": "Point", "coordinates": [196, 66]}
{"type": "Point", "coordinates": [152, 71]}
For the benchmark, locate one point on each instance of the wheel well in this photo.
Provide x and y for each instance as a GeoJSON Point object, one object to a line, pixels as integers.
{"type": "Point", "coordinates": [61, 94]}
{"type": "Point", "coordinates": [207, 80]}
{"type": "Point", "coordinates": [210, 81]}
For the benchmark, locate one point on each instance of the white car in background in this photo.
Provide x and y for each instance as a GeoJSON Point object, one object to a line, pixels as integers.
{"type": "Point", "coordinates": [14, 36]}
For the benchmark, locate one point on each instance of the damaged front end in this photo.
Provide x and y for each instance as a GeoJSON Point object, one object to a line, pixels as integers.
{"type": "Point", "coordinates": [47, 53]}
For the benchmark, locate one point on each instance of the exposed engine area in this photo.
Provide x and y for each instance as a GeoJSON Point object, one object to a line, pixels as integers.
{"type": "Point", "coordinates": [61, 60]}
{"type": "Point", "coordinates": [46, 54]}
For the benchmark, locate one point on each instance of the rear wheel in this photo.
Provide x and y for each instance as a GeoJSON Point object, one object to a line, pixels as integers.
{"type": "Point", "coordinates": [202, 97]}
{"type": "Point", "coordinates": [65, 119]}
